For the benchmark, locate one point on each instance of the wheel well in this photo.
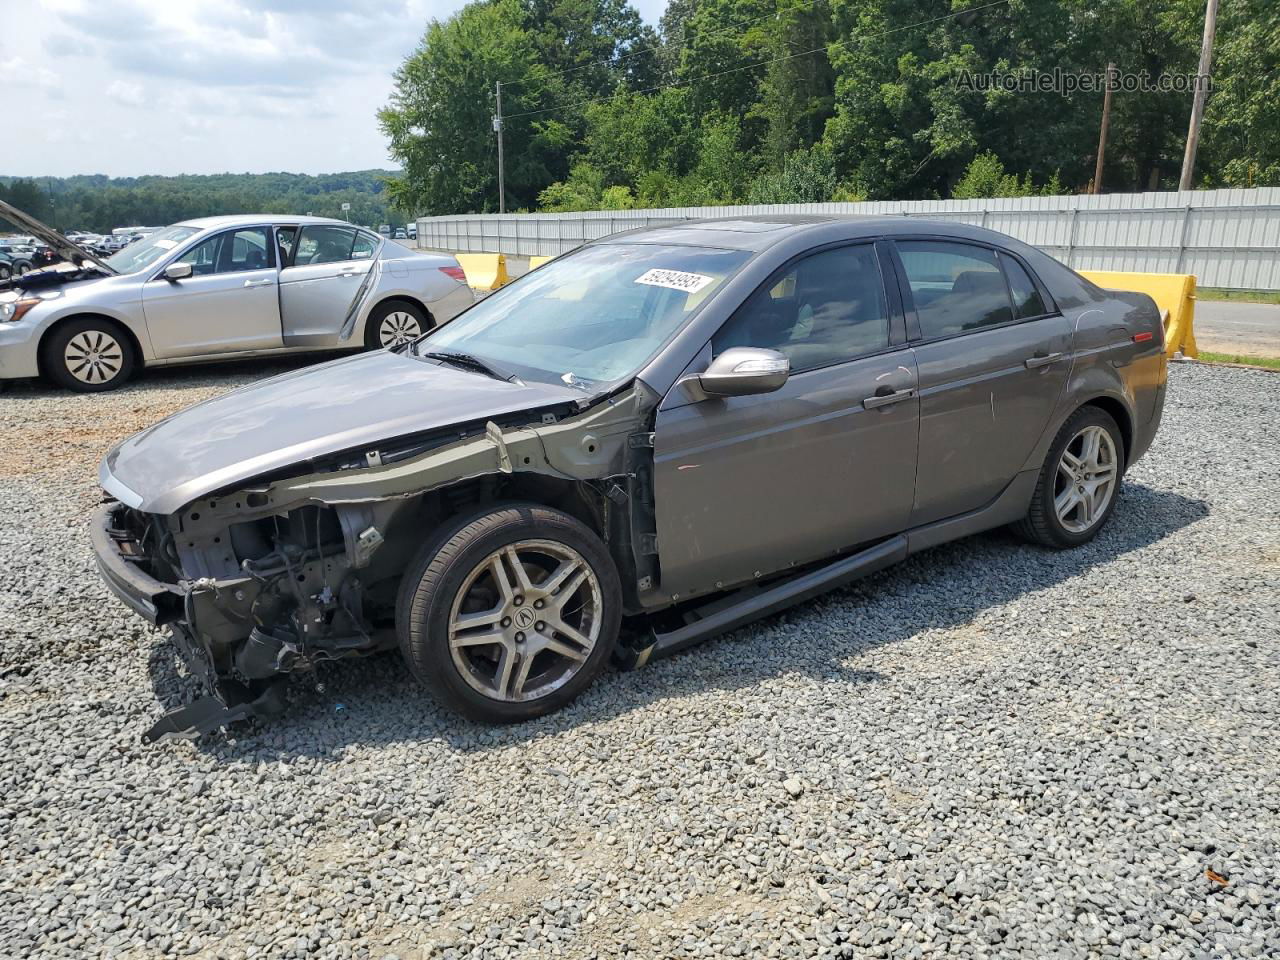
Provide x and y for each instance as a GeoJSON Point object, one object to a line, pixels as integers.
{"type": "Point", "coordinates": [57, 325]}
{"type": "Point", "coordinates": [401, 298]}
{"type": "Point", "coordinates": [1120, 414]}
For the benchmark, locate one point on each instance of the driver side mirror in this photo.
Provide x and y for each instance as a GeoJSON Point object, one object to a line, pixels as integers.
{"type": "Point", "coordinates": [177, 271]}
{"type": "Point", "coordinates": [744, 371]}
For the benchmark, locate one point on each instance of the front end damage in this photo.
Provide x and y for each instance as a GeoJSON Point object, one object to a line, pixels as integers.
{"type": "Point", "coordinates": [272, 579]}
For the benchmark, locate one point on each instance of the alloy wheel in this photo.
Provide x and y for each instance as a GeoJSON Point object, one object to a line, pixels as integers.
{"type": "Point", "coordinates": [1086, 479]}
{"type": "Point", "coordinates": [93, 356]}
{"type": "Point", "coordinates": [398, 327]}
{"type": "Point", "coordinates": [525, 620]}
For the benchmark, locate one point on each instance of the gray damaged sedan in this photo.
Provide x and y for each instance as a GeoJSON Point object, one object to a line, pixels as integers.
{"type": "Point", "coordinates": [655, 438]}
{"type": "Point", "coordinates": [217, 289]}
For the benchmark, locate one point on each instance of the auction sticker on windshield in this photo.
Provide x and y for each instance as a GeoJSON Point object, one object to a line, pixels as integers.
{"type": "Point", "coordinates": [675, 280]}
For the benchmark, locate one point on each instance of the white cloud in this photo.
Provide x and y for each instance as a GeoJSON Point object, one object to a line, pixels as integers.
{"type": "Point", "coordinates": [187, 86]}
{"type": "Point", "coordinates": [124, 92]}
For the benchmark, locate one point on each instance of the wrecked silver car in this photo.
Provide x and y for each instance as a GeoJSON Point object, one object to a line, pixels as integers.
{"type": "Point", "coordinates": [653, 439]}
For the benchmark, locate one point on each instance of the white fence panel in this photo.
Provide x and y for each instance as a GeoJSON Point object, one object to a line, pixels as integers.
{"type": "Point", "coordinates": [1227, 238]}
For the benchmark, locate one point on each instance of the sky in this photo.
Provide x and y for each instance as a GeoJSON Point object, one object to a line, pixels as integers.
{"type": "Point", "coordinates": [132, 87]}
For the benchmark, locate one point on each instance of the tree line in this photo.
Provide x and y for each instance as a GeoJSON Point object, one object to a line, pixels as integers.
{"type": "Point", "coordinates": [98, 203]}
{"type": "Point", "coordinates": [772, 101]}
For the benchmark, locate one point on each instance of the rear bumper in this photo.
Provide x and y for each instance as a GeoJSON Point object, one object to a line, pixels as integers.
{"type": "Point", "coordinates": [119, 557]}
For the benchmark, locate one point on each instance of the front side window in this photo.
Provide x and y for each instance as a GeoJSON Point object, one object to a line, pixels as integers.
{"type": "Point", "coordinates": [231, 251]}
{"type": "Point", "coordinates": [823, 309]}
{"type": "Point", "coordinates": [956, 287]}
{"type": "Point", "coordinates": [595, 315]}
{"type": "Point", "coordinates": [322, 243]}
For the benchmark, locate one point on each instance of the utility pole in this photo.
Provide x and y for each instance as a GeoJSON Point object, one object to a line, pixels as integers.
{"type": "Point", "coordinates": [1102, 134]}
{"type": "Point", "coordinates": [497, 126]}
{"type": "Point", "coordinates": [1197, 105]}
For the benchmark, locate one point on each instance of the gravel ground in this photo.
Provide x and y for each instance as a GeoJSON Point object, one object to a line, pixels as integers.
{"type": "Point", "coordinates": [990, 750]}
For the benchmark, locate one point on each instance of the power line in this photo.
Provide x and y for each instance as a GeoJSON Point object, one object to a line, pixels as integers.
{"type": "Point", "coordinates": [635, 53]}
{"type": "Point", "coordinates": [760, 63]}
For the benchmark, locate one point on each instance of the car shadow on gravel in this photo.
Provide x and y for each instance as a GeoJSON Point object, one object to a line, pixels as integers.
{"type": "Point", "coordinates": [375, 701]}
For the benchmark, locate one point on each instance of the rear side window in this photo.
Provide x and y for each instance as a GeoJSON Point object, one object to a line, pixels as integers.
{"type": "Point", "coordinates": [1027, 301]}
{"type": "Point", "coordinates": [956, 287]}
{"type": "Point", "coordinates": [324, 244]}
{"type": "Point", "coordinates": [826, 308]}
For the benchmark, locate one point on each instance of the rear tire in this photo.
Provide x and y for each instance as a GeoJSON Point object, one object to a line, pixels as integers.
{"type": "Point", "coordinates": [393, 323]}
{"type": "Point", "coordinates": [1079, 482]}
{"type": "Point", "coordinates": [89, 356]}
{"type": "Point", "coordinates": [510, 613]}
{"type": "Point", "coordinates": [5, 272]}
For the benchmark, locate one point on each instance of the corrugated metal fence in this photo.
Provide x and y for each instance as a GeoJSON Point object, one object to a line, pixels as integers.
{"type": "Point", "coordinates": [1227, 238]}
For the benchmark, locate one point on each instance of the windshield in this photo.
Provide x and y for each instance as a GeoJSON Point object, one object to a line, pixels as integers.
{"type": "Point", "coordinates": [146, 251]}
{"type": "Point", "coordinates": [595, 315]}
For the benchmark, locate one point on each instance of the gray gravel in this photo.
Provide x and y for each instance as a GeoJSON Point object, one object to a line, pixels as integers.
{"type": "Point", "coordinates": [991, 750]}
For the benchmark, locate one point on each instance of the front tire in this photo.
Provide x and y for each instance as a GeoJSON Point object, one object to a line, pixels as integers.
{"type": "Point", "coordinates": [510, 614]}
{"type": "Point", "coordinates": [1079, 483]}
{"type": "Point", "coordinates": [89, 356]}
{"type": "Point", "coordinates": [393, 323]}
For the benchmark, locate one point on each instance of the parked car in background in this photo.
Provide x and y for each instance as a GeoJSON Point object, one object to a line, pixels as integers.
{"type": "Point", "coordinates": [401, 235]}
{"type": "Point", "coordinates": [221, 288]}
{"type": "Point", "coordinates": [13, 265]}
{"type": "Point", "coordinates": [687, 426]}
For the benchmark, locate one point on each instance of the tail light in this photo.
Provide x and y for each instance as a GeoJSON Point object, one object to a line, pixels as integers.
{"type": "Point", "coordinates": [456, 273]}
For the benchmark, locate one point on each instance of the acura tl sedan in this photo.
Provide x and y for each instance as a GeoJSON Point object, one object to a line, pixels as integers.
{"type": "Point", "coordinates": [219, 288]}
{"type": "Point", "coordinates": [677, 429]}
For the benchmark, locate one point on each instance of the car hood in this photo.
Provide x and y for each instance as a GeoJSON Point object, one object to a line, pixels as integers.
{"type": "Point", "coordinates": [356, 402]}
{"type": "Point", "coordinates": [72, 252]}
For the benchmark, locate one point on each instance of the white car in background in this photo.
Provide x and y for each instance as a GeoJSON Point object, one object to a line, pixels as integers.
{"type": "Point", "coordinates": [218, 288]}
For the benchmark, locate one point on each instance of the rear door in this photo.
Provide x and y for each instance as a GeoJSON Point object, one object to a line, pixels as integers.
{"type": "Point", "coordinates": [746, 486]}
{"type": "Point", "coordinates": [327, 264]}
{"type": "Point", "coordinates": [229, 303]}
{"type": "Point", "coordinates": [993, 355]}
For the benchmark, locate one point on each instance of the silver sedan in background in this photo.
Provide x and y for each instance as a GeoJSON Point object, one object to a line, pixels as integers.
{"type": "Point", "coordinates": [219, 288]}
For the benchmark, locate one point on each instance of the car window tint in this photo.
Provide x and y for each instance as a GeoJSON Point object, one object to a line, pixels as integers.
{"type": "Point", "coordinates": [229, 252]}
{"type": "Point", "coordinates": [365, 244]}
{"type": "Point", "coordinates": [324, 244]}
{"type": "Point", "coordinates": [1026, 298]}
{"type": "Point", "coordinates": [825, 308]}
{"type": "Point", "coordinates": [956, 287]}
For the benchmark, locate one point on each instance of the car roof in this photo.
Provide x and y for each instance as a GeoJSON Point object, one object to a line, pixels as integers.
{"type": "Point", "coordinates": [243, 219]}
{"type": "Point", "coordinates": [757, 233]}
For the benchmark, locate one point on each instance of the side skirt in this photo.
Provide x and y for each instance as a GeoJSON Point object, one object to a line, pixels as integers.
{"type": "Point", "coordinates": [753, 602]}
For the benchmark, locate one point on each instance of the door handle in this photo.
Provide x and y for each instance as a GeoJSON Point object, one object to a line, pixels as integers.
{"type": "Point", "coordinates": [885, 396]}
{"type": "Point", "coordinates": [266, 282]}
{"type": "Point", "coordinates": [1042, 360]}
{"type": "Point", "coordinates": [347, 272]}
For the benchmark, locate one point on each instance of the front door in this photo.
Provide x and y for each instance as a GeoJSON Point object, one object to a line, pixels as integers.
{"type": "Point", "coordinates": [327, 264]}
{"type": "Point", "coordinates": [747, 486]}
{"type": "Point", "coordinates": [993, 356]}
{"type": "Point", "coordinates": [228, 303]}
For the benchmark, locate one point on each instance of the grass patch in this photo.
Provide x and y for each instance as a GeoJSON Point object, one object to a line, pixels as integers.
{"type": "Point", "coordinates": [1246, 296]}
{"type": "Point", "coordinates": [1270, 362]}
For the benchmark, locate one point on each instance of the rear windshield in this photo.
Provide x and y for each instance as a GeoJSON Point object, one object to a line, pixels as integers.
{"type": "Point", "coordinates": [593, 316]}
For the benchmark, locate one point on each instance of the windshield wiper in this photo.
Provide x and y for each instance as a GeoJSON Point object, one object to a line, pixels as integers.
{"type": "Point", "coordinates": [468, 362]}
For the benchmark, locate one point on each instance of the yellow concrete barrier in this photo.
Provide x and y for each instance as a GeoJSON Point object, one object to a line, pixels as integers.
{"type": "Point", "coordinates": [485, 271]}
{"type": "Point", "coordinates": [1175, 296]}
{"type": "Point", "coordinates": [536, 262]}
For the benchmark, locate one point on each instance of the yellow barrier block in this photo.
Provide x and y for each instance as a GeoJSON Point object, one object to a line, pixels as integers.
{"type": "Point", "coordinates": [536, 262]}
{"type": "Point", "coordinates": [485, 271]}
{"type": "Point", "coordinates": [1174, 294]}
